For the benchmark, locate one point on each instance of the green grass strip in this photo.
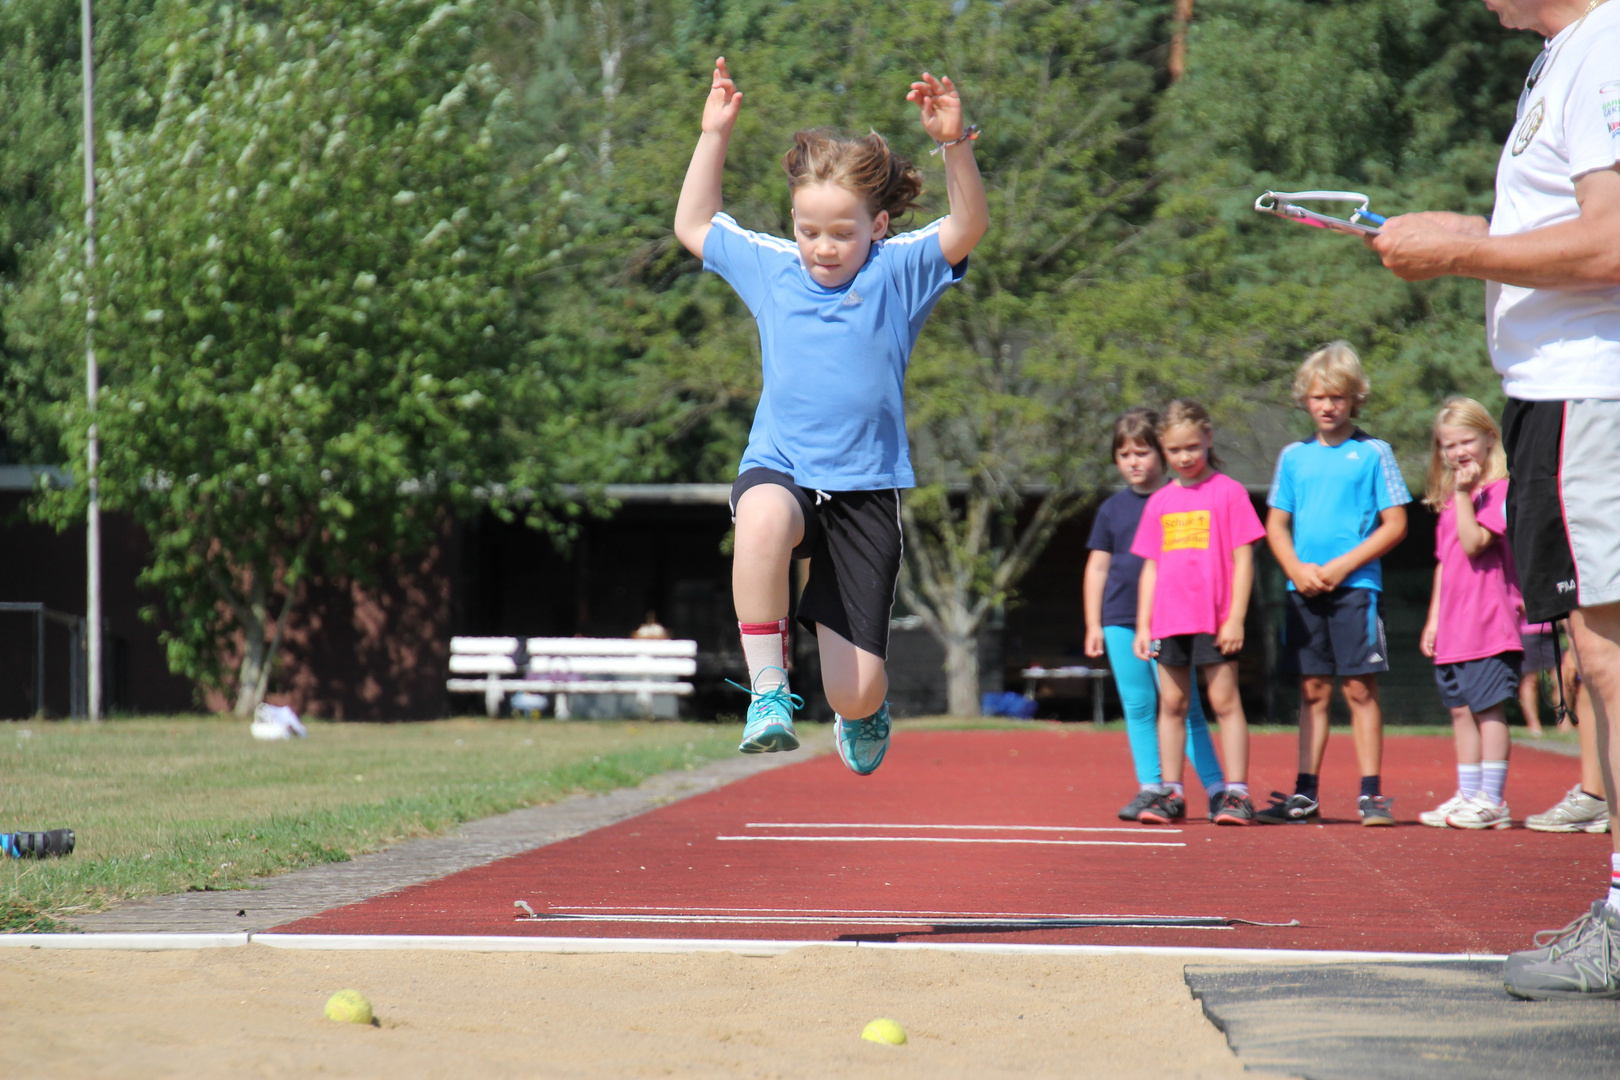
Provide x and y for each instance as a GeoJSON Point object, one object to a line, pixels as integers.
{"type": "Point", "coordinates": [177, 804]}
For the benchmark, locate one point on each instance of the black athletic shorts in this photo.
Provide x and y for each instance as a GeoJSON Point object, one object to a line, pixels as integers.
{"type": "Point", "coordinates": [1563, 504]}
{"type": "Point", "coordinates": [853, 541]}
{"type": "Point", "coordinates": [1190, 650]}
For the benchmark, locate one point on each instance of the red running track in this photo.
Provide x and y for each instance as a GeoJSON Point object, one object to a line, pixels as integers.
{"type": "Point", "coordinates": [722, 865]}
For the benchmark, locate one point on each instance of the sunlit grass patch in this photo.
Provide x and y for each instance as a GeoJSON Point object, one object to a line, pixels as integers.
{"type": "Point", "coordinates": [163, 805]}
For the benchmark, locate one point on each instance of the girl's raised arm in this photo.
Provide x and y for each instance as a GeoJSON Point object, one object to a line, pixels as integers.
{"type": "Point", "coordinates": [940, 109]}
{"type": "Point", "coordinates": [700, 193]}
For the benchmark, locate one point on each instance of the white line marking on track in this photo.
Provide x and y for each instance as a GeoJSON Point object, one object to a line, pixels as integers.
{"type": "Point", "coordinates": [741, 947]}
{"type": "Point", "coordinates": [525, 943]}
{"type": "Point", "coordinates": [950, 828]}
{"type": "Point", "coordinates": [954, 840]}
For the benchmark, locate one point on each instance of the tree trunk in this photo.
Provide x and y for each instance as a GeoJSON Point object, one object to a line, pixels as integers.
{"type": "Point", "coordinates": [1178, 38]}
{"type": "Point", "coordinates": [253, 676]}
{"type": "Point", "coordinates": [962, 674]}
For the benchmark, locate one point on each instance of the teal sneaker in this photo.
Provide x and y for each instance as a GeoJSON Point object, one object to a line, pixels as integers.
{"type": "Point", "coordinates": [862, 743]}
{"type": "Point", "coordinates": [770, 719]}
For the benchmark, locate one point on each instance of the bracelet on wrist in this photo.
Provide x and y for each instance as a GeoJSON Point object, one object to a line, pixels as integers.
{"type": "Point", "coordinates": [969, 133]}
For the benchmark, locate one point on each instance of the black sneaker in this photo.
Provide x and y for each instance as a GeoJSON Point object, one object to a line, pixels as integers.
{"type": "Point", "coordinates": [1580, 961]}
{"type": "Point", "coordinates": [1164, 809]}
{"type": "Point", "coordinates": [1132, 810]}
{"type": "Point", "coordinates": [1289, 810]}
{"type": "Point", "coordinates": [1375, 810]}
{"type": "Point", "coordinates": [1235, 809]}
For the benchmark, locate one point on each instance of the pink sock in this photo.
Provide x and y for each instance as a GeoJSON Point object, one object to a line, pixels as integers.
{"type": "Point", "coordinates": [765, 647]}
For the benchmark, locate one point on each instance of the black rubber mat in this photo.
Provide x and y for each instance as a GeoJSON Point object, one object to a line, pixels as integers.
{"type": "Point", "coordinates": [1403, 1022]}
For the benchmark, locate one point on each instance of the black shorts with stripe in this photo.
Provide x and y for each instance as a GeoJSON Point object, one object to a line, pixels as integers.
{"type": "Point", "coordinates": [1563, 503]}
{"type": "Point", "coordinates": [854, 543]}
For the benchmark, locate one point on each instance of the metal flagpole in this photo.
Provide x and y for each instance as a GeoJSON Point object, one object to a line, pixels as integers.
{"type": "Point", "coordinates": [92, 450]}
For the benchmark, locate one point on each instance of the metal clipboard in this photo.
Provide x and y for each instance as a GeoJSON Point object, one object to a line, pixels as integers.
{"type": "Point", "coordinates": [1287, 205]}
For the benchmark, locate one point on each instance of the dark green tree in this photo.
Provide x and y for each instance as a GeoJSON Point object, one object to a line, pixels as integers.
{"type": "Point", "coordinates": [313, 264]}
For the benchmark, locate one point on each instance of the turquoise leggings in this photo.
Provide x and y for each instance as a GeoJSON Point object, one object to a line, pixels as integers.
{"type": "Point", "coordinates": [1138, 684]}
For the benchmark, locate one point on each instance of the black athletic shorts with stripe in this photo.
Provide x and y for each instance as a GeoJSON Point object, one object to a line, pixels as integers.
{"type": "Point", "coordinates": [854, 544]}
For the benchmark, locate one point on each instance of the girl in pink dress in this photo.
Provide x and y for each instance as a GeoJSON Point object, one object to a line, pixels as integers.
{"type": "Point", "coordinates": [1473, 629]}
{"type": "Point", "coordinates": [1196, 538]}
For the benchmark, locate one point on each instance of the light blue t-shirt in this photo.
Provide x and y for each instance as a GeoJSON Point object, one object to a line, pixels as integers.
{"type": "Point", "coordinates": [832, 414]}
{"type": "Point", "coordinates": [1336, 494]}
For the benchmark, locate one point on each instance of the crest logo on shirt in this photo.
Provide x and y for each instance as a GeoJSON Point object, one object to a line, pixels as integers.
{"type": "Point", "coordinates": [854, 299]}
{"type": "Point", "coordinates": [1528, 129]}
{"type": "Point", "coordinates": [1609, 99]}
{"type": "Point", "coordinates": [1186, 531]}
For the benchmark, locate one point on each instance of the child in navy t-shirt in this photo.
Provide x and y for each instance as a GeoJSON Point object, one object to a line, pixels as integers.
{"type": "Point", "coordinates": [1112, 572]}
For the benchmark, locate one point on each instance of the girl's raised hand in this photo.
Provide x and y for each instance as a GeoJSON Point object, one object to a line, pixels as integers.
{"type": "Point", "coordinates": [939, 106]}
{"type": "Point", "coordinates": [724, 103]}
{"type": "Point", "coordinates": [1467, 474]}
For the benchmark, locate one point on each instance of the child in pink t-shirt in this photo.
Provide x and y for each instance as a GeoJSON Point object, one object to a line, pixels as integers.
{"type": "Point", "coordinates": [1195, 538]}
{"type": "Point", "coordinates": [1473, 628]}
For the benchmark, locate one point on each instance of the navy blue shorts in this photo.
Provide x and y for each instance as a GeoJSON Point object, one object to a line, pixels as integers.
{"type": "Point", "coordinates": [1336, 633]}
{"type": "Point", "coordinates": [1539, 654]}
{"type": "Point", "coordinates": [1479, 684]}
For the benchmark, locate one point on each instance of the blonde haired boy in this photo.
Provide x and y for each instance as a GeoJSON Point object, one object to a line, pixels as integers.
{"type": "Point", "coordinates": [1338, 504]}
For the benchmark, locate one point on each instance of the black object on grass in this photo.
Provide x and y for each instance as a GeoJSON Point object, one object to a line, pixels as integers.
{"type": "Point", "coordinates": [37, 845]}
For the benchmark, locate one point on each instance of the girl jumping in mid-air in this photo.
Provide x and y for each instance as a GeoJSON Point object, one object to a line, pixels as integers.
{"type": "Point", "coordinates": [1195, 539]}
{"type": "Point", "coordinates": [1473, 629]}
{"type": "Point", "coordinates": [1112, 574]}
{"type": "Point", "coordinates": [839, 308]}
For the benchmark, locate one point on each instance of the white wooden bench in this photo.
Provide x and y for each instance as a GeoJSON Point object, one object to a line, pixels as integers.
{"type": "Point", "coordinates": [649, 670]}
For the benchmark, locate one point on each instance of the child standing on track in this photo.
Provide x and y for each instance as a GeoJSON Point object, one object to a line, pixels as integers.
{"type": "Point", "coordinates": [1539, 656]}
{"type": "Point", "coordinates": [1112, 574]}
{"type": "Point", "coordinates": [1338, 504]}
{"type": "Point", "coordinates": [839, 308]}
{"type": "Point", "coordinates": [1473, 628]}
{"type": "Point", "coordinates": [1198, 566]}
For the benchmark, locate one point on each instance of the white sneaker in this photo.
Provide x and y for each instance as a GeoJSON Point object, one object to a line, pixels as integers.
{"type": "Point", "coordinates": [1480, 813]}
{"type": "Point", "coordinates": [1578, 812]}
{"type": "Point", "coordinates": [1437, 816]}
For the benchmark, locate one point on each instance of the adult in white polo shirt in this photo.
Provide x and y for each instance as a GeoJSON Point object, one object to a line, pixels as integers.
{"type": "Point", "coordinates": [1550, 256]}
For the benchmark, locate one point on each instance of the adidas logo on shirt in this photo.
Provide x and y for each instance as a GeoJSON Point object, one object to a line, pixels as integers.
{"type": "Point", "coordinates": [854, 299]}
{"type": "Point", "coordinates": [1353, 456]}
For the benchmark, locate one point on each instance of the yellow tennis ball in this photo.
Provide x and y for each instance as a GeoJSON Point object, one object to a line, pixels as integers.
{"type": "Point", "coordinates": [884, 1030]}
{"type": "Point", "coordinates": [350, 1007]}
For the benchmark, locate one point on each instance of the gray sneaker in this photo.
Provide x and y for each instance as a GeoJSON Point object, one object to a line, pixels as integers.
{"type": "Point", "coordinates": [1133, 809]}
{"type": "Point", "coordinates": [1581, 960]}
{"type": "Point", "coordinates": [1576, 812]}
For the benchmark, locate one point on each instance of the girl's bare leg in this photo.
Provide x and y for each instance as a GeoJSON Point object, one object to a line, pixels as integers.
{"type": "Point", "coordinates": [1465, 734]}
{"type": "Point", "coordinates": [769, 526]}
{"type": "Point", "coordinates": [853, 679]}
{"type": "Point", "coordinates": [1530, 701]}
{"type": "Point", "coordinates": [1228, 707]}
{"type": "Point", "coordinates": [1175, 696]}
{"type": "Point", "coordinates": [1494, 739]}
